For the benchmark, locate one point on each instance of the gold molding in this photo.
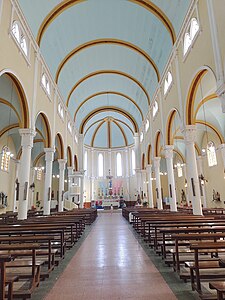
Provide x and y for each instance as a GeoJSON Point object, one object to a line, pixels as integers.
{"type": "Point", "coordinates": [202, 102]}
{"type": "Point", "coordinates": [7, 128]}
{"type": "Point", "coordinates": [191, 96]}
{"type": "Point", "coordinates": [69, 156]}
{"type": "Point", "coordinates": [61, 153]}
{"type": "Point", "coordinates": [157, 139]}
{"type": "Point", "coordinates": [95, 132]}
{"type": "Point", "coordinates": [106, 108]}
{"type": "Point", "coordinates": [149, 154]}
{"type": "Point", "coordinates": [100, 72]}
{"type": "Point", "coordinates": [180, 154]}
{"type": "Point", "coordinates": [106, 41]}
{"type": "Point", "coordinates": [3, 101]}
{"type": "Point", "coordinates": [120, 121]}
{"type": "Point", "coordinates": [109, 134]}
{"type": "Point", "coordinates": [122, 131]}
{"type": "Point", "coordinates": [105, 93]}
{"type": "Point", "coordinates": [220, 136]}
{"type": "Point", "coordinates": [60, 8]}
{"type": "Point", "coordinates": [169, 126]}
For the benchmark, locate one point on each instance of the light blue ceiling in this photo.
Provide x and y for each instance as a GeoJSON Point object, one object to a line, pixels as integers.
{"type": "Point", "coordinates": [120, 20]}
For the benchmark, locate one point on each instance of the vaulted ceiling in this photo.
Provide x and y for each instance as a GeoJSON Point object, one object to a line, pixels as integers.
{"type": "Point", "coordinates": [107, 57]}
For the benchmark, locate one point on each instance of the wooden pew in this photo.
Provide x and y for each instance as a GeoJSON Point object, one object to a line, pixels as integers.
{"type": "Point", "coordinates": [3, 260]}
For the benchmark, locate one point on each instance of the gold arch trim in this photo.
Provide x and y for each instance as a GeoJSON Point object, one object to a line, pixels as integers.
{"type": "Point", "coordinates": [60, 144]}
{"type": "Point", "coordinates": [69, 156]}
{"type": "Point", "coordinates": [122, 131]}
{"type": "Point", "coordinates": [179, 154]}
{"type": "Point", "coordinates": [46, 129]}
{"type": "Point", "coordinates": [22, 100]}
{"type": "Point", "coordinates": [202, 102]}
{"type": "Point", "coordinates": [120, 121]}
{"type": "Point", "coordinates": [64, 5]}
{"type": "Point", "coordinates": [105, 93]}
{"type": "Point", "coordinates": [169, 126]}
{"type": "Point", "coordinates": [102, 42]}
{"type": "Point", "coordinates": [157, 140]}
{"type": "Point", "coordinates": [3, 101]}
{"type": "Point", "coordinates": [101, 72]}
{"type": "Point", "coordinates": [191, 96]}
{"type": "Point", "coordinates": [40, 155]}
{"type": "Point", "coordinates": [218, 133]}
{"type": "Point", "coordinates": [7, 128]}
{"type": "Point", "coordinates": [149, 154]}
{"type": "Point", "coordinates": [95, 132]}
{"type": "Point", "coordinates": [103, 109]}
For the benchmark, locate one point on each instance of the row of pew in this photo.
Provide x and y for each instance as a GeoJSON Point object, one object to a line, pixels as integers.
{"type": "Point", "coordinates": [32, 248]}
{"type": "Point", "coordinates": [194, 246]}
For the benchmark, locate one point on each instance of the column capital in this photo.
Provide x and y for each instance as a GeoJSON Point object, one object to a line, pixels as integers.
{"type": "Point", "coordinates": [143, 171]}
{"type": "Point", "coordinates": [136, 135]}
{"type": "Point", "coordinates": [70, 170]}
{"type": "Point", "coordinates": [190, 133]}
{"type": "Point", "coordinates": [62, 163]}
{"type": "Point", "coordinates": [157, 161]}
{"type": "Point", "coordinates": [27, 135]}
{"type": "Point", "coordinates": [149, 168]}
{"type": "Point", "coordinates": [49, 154]}
{"type": "Point", "coordinates": [168, 150]}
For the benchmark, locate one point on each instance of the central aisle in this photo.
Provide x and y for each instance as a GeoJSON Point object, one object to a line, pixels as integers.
{"type": "Point", "coordinates": [110, 264]}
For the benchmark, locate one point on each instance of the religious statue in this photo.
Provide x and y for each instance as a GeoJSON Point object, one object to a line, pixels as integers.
{"type": "Point", "coordinates": [183, 197]}
{"type": "Point", "coordinates": [216, 196]}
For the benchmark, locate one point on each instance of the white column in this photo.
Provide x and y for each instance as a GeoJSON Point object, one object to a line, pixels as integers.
{"type": "Point", "coordinates": [187, 188]}
{"type": "Point", "coordinates": [92, 185]}
{"type": "Point", "coordinates": [150, 193]}
{"type": "Point", "coordinates": [192, 170]}
{"type": "Point", "coordinates": [17, 165]}
{"type": "Point", "coordinates": [144, 182]}
{"type": "Point", "coordinates": [81, 152]}
{"type": "Point", "coordinates": [62, 165]}
{"type": "Point", "coordinates": [158, 182]}
{"type": "Point", "coordinates": [49, 157]}
{"type": "Point", "coordinates": [31, 197]}
{"type": "Point", "coordinates": [27, 136]}
{"type": "Point", "coordinates": [137, 161]}
{"type": "Point", "coordinates": [202, 186]}
{"type": "Point", "coordinates": [82, 191]}
{"type": "Point", "coordinates": [170, 173]}
{"type": "Point", "coordinates": [70, 172]}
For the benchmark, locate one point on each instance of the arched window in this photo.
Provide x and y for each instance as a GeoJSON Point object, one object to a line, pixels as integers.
{"type": "Point", "coordinates": [155, 108]}
{"type": "Point", "coordinates": [19, 35]}
{"type": "Point", "coordinates": [100, 165]}
{"type": "Point", "coordinates": [118, 164]}
{"type": "Point", "coordinates": [24, 45]}
{"type": "Point", "coordinates": [211, 154]}
{"type": "Point", "coordinates": [85, 161]}
{"type": "Point", "coordinates": [168, 82]}
{"type": "Point", "coordinates": [75, 138]}
{"type": "Point", "coordinates": [6, 154]}
{"type": "Point", "coordinates": [60, 110]}
{"type": "Point", "coordinates": [190, 34]}
{"type": "Point", "coordinates": [69, 127]}
{"type": "Point", "coordinates": [146, 125]}
{"type": "Point", "coordinates": [133, 162]}
{"type": "Point", "coordinates": [16, 31]}
{"type": "Point", "coordinates": [45, 83]}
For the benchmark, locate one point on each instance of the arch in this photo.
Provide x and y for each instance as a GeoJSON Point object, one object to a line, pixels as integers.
{"type": "Point", "coordinates": [100, 72]}
{"type": "Point", "coordinates": [48, 135]}
{"type": "Point", "coordinates": [202, 102]}
{"type": "Point", "coordinates": [157, 141]}
{"type": "Point", "coordinates": [5, 102]}
{"type": "Point", "coordinates": [171, 118]}
{"type": "Point", "coordinates": [111, 108]}
{"type": "Point", "coordinates": [122, 132]}
{"type": "Point", "coordinates": [75, 163]}
{"type": "Point", "coordinates": [69, 157]}
{"type": "Point", "coordinates": [12, 126]}
{"type": "Point", "coordinates": [25, 122]}
{"type": "Point", "coordinates": [149, 154]}
{"type": "Point", "coordinates": [217, 132]}
{"type": "Point", "coordinates": [60, 8]}
{"type": "Point", "coordinates": [120, 121]}
{"type": "Point", "coordinates": [143, 162]}
{"type": "Point", "coordinates": [102, 42]}
{"type": "Point", "coordinates": [179, 154]}
{"type": "Point", "coordinates": [61, 146]}
{"type": "Point", "coordinates": [36, 160]}
{"type": "Point", "coordinates": [192, 93]}
{"type": "Point", "coordinates": [105, 93]}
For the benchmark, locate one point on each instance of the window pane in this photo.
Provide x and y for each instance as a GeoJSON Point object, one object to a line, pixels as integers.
{"type": "Point", "coordinates": [100, 165]}
{"type": "Point", "coordinates": [118, 164]}
{"type": "Point", "coordinates": [15, 31]}
{"type": "Point", "coordinates": [24, 45]}
{"type": "Point", "coordinates": [211, 154]}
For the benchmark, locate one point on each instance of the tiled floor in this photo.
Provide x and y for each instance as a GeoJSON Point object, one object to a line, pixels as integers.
{"type": "Point", "coordinates": [110, 264]}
